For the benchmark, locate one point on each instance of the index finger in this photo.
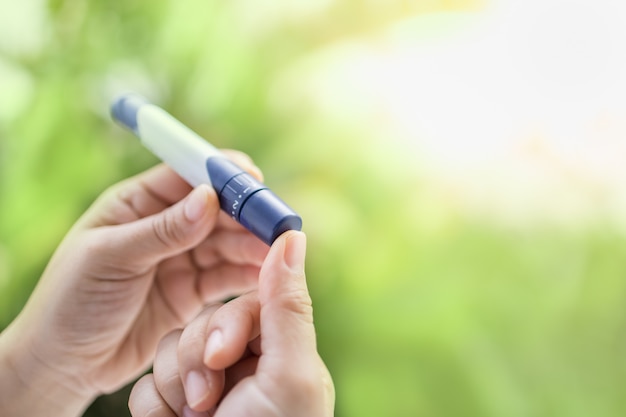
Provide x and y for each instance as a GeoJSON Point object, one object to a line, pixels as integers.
{"type": "Point", "coordinates": [151, 192]}
{"type": "Point", "coordinates": [288, 334]}
{"type": "Point", "coordinates": [164, 184]}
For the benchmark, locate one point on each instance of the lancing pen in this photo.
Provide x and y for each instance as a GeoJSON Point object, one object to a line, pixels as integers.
{"type": "Point", "coordinates": [244, 198]}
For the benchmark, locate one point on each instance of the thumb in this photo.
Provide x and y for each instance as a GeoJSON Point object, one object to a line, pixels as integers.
{"type": "Point", "coordinates": [288, 335]}
{"type": "Point", "coordinates": [174, 230]}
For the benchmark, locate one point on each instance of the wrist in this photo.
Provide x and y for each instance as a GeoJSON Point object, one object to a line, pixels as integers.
{"type": "Point", "coordinates": [30, 386]}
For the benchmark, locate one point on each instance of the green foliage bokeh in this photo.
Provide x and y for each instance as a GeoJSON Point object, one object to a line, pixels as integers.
{"type": "Point", "coordinates": [420, 310]}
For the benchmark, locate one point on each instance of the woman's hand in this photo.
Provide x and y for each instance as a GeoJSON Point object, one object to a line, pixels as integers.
{"type": "Point", "coordinates": [255, 356]}
{"type": "Point", "coordinates": [143, 260]}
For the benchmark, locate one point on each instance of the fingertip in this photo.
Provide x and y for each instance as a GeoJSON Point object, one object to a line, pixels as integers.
{"type": "Point", "coordinates": [145, 399]}
{"type": "Point", "coordinates": [256, 172]}
{"type": "Point", "coordinates": [214, 346]}
{"type": "Point", "coordinates": [286, 305]}
{"type": "Point", "coordinates": [200, 390]}
{"type": "Point", "coordinates": [244, 161]}
{"type": "Point", "coordinates": [189, 412]}
{"type": "Point", "coordinates": [285, 260]}
{"type": "Point", "coordinates": [232, 327]}
{"type": "Point", "coordinates": [202, 386]}
{"type": "Point", "coordinates": [295, 250]}
{"type": "Point", "coordinates": [197, 203]}
{"type": "Point", "coordinates": [282, 282]}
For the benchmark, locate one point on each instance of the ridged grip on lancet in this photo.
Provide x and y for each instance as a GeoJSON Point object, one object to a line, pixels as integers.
{"type": "Point", "coordinates": [250, 202]}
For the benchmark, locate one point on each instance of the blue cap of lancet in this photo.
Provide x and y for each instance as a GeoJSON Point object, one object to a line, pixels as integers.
{"type": "Point", "coordinates": [268, 217]}
{"type": "Point", "coordinates": [124, 110]}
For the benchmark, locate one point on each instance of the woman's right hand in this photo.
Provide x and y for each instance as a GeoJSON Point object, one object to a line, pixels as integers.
{"type": "Point", "coordinates": [254, 356]}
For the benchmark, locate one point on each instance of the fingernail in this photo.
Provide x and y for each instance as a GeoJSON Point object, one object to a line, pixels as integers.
{"type": "Point", "coordinates": [214, 344]}
{"type": "Point", "coordinates": [196, 204]}
{"type": "Point", "coordinates": [188, 412]}
{"type": "Point", "coordinates": [196, 388]}
{"type": "Point", "coordinates": [256, 172]}
{"type": "Point", "coordinates": [295, 251]}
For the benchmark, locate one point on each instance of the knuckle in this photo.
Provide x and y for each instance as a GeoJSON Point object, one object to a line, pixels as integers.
{"type": "Point", "coordinates": [191, 339]}
{"type": "Point", "coordinates": [141, 399]}
{"type": "Point", "coordinates": [238, 157]}
{"type": "Point", "coordinates": [120, 189]}
{"type": "Point", "coordinates": [306, 385]}
{"type": "Point", "coordinates": [165, 230]}
{"type": "Point", "coordinates": [168, 381]}
{"type": "Point", "coordinates": [169, 339]}
{"type": "Point", "coordinates": [305, 390]}
{"type": "Point", "coordinates": [297, 301]}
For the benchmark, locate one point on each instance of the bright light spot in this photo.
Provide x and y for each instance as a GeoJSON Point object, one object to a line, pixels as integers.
{"type": "Point", "coordinates": [520, 109]}
{"type": "Point", "coordinates": [23, 26]}
{"type": "Point", "coordinates": [258, 20]}
{"type": "Point", "coordinates": [16, 86]}
{"type": "Point", "coordinates": [121, 78]}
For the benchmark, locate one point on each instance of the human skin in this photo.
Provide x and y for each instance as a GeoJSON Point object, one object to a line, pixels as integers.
{"type": "Point", "coordinates": [254, 356]}
{"type": "Point", "coordinates": [143, 260]}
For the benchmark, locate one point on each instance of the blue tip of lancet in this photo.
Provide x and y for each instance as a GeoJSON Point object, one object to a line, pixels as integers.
{"type": "Point", "coordinates": [124, 110]}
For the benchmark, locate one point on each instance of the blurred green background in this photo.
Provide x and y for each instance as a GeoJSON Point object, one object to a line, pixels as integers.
{"type": "Point", "coordinates": [422, 308]}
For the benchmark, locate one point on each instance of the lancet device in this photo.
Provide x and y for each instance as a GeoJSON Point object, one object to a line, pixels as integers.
{"type": "Point", "coordinates": [245, 199]}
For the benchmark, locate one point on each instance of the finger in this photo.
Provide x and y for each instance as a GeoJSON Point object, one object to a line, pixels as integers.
{"type": "Point", "coordinates": [287, 313]}
{"type": "Point", "coordinates": [164, 183]}
{"type": "Point", "coordinates": [244, 162]}
{"type": "Point", "coordinates": [255, 346]}
{"type": "Point", "coordinates": [145, 400]}
{"type": "Point", "coordinates": [226, 281]}
{"type": "Point", "coordinates": [240, 371]}
{"type": "Point", "coordinates": [289, 354]}
{"type": "Point", "coordinates": [189, 289]}
{"type": "Point", "coordinates": [166, 377]}
{"type": "Point", "coordinates": [230, 330]}
{"type": "Point", "coordinates": [170, 232]}
{"type": "Point", "coordinates": [159, 187]}
{"type": "Point", "coordinates": [203, 387]}
{"type": "Point", "coordinates": [142, 195]}
{"type": "Point", "coordinates": [239, 248]}
{"type": "Point", "coordinates": [150, 192]}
